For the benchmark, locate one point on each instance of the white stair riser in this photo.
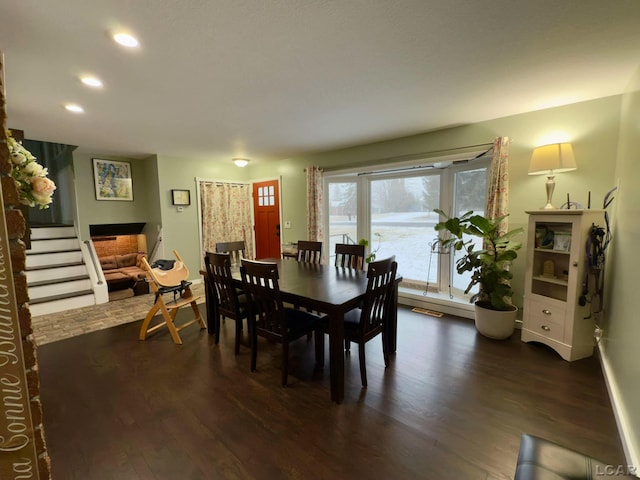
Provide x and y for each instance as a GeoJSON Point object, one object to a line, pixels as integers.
{"type": "Point", "coordinates": [62, 305]}
{"type": "Point", "coordinates": [53, 259]}
{"type": "Point", "coordinates": [55, 273]}
{"type": "Point", "coordinates": [38, 246]}
{"type": "Point", "coordinates": [41, 233]}
{"type": "Point", "coordinates": [59, 288]}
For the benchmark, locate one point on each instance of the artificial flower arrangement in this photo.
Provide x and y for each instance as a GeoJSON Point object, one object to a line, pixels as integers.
{"type": "Point", "coordinates": [34, 188]}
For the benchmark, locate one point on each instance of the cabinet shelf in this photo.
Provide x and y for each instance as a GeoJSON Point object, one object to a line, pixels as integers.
{"type": "Point", "coordinates": [555, 281]}
{"type": "Point", "coordinates": [550, 250]}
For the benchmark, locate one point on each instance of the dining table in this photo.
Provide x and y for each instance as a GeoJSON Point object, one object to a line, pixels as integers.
{"type": "Point", "coordinates": [326, 289]}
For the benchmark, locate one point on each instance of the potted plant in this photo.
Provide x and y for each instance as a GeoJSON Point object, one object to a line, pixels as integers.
{"type": "Point", "coordinates": [372, 253]}
{"type": "Point", "coordinates": [489, 267]}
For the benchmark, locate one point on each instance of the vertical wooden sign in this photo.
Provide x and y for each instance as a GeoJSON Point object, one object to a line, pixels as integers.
{"type": "Point", "coordinates": [18, 455]}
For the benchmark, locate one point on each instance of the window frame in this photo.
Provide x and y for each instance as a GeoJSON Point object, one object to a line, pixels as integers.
{"type": "Point", "coordinates": [444, 166]}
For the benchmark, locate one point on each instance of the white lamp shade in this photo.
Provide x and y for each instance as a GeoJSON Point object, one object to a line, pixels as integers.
{"type": "Point", "coordinates": [550, 159]}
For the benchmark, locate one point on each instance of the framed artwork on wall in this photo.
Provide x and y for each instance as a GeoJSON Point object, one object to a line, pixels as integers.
{"type": "Point", "coordinates": [112, 180]}
{"type": "Point", "coordinates": [180, 197]}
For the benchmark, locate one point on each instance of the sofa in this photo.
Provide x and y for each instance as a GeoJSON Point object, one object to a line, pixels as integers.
{"type": "Point", "coordinates": [540, 459]}
{"type": "Point", "coordinates": [125, 271]}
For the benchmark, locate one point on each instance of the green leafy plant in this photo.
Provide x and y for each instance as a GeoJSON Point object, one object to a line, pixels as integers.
{"type": "Point", "coordinates": [489, 265]}
{"type": "Point", "coordinates": [372, 254]}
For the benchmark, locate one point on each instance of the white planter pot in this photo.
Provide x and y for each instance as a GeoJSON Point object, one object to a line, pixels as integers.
{"type": "Point", "coordinates": [495, 323]}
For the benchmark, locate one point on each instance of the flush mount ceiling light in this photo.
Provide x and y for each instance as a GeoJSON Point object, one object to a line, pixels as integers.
{"type": "Point", "coordinates": [241, 162]}
{"type": "Point", "coordinates": [91, 81]}
{"type": "Point", "coordinates": [73, 107]}
{"type": "Point", "coordinates": [126, 40]}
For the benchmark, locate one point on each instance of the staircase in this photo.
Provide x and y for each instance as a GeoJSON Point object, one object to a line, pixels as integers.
{"type": "Point", "coordinates": [57, 277]}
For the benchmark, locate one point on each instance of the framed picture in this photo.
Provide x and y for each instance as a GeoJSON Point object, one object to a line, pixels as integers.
{"type": "Point", "coordinates": [180, 197]}
{"type": "Point", "coordinates": [112, 180]}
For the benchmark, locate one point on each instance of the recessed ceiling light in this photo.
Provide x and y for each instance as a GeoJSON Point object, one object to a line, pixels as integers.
{"type": "Point", "coordinates": [73, 107]}
{"type": "Point", "coordinates": [126, 40]}
{"type": "Point", "coordinates": [91, 81]}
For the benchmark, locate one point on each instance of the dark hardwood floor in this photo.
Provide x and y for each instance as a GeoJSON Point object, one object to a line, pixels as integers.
{"type": "Point", "coordinates": [452, 405]}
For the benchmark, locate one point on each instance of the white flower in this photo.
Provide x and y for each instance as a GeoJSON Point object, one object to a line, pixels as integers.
{"type": "Point", "coordinates": [34, 188]}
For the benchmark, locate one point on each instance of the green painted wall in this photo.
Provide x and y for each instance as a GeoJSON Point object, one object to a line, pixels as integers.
{"type": "Point", "coordinates": [94, 212]}
{"type": "Point", "coordinates": [591, 126]}
{"type": "Point", "coordinates": [622, 324]}
{"type": "Point", "coordinates": [180, 229]}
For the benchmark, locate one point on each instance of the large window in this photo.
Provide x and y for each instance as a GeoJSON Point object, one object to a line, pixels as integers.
{"type": "Point", "coordinates": [394, 211]}
{"type": "Point", "coordinates": [343, 213]}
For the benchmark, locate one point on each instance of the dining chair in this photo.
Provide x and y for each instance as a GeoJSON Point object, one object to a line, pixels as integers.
{"type": "Point", "coordinates": [172, 291]}
{"type": "Point", "coordinates": [309, 252]}
{"type": "Point", "coordinates": [236, 250]}
{"type": "Point", "coordinates": [270, 319]}
{"type": "Point", "coordinates": [363, 324]}
{"type": "Point", "coordinates": [349, 255]}
{"type": "Point", "coordinates": [229, 302]}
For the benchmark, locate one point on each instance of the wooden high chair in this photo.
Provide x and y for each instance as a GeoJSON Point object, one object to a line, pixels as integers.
{"type": "Point", "coordinates": [170, 282]}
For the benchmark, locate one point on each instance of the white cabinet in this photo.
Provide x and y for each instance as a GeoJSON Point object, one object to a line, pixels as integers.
{"type": "Point", "coordinates": [556, 255]}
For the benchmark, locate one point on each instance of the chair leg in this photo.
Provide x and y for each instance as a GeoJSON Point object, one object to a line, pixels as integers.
{"type": "Point", "coordinates": [238, 335]}
{"type": "Point", "coordinates": [318, 333]}
{"type": "Point", "coordinates": [216, 326]}
{"type": "Point", "coordinates": [254, 344]}
{"type": "Point", "coordinates": [285, 363]}
{"type": "Point", "coordinates": [385, 349]}
{"type": "Point", "coordinates": [347, 345]}
{"type": "Point", "coordinates": [363, 368]}
{"type": "Point", "coordinates": [147, 320]}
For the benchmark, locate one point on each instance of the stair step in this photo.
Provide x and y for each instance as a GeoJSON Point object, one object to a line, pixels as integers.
{"type": "Point", "coordinates": [53, 281]}
{"type": "Point", "coordinates": [60, 305]}
{"type": "Point", "coordinates": [55, 267]}
{"type": "Point", "coordinates": [54, 259]}
{"type": "Point", "coordinates": [61, 288]}
{"type": "Point", "coordinates": [48, 232]}
{"type": "Point", "coordinates": [29, 252]}
{"type": "Point", "coordinates": [61, 296]}
{"type": "Point", "coordinates": [53, 245]}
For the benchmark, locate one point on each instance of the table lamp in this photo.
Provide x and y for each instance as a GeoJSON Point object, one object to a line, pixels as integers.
{"type": "Point", "coordinates": [549, 160]}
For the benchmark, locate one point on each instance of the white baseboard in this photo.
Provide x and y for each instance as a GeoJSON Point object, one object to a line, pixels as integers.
{"type": "Point", "coordinates": [631, 451]}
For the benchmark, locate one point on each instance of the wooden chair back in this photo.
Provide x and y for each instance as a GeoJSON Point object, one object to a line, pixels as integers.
{"type": "Point", "coordinates": [236, 250]}
{"type": "Point", "coordinates": [260, 282]}
{"type": "Point", "coordinates": [376, 310]}
{"type": "Point", "coordinates": [270, 319]}
{"type": "Point", "coordinates": [309, 252]}
{"type": "Point", "coordinates": [377, 300]}
{"type": "Point", "coordinates": [349, 256]}
{"type": "Point", "coordinates": [226, 295]}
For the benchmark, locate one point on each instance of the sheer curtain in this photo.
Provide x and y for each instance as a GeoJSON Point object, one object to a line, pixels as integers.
{"type": "Point", "coordinates": [314, 204]}
{"type": "Point", "coordinates": [226, 214]}
{"type": "Point", "coordinates": [498, 191]}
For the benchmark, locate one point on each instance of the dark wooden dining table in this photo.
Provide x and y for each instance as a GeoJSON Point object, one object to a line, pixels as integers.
{"type": "Point", "coordinates": [326, 289]}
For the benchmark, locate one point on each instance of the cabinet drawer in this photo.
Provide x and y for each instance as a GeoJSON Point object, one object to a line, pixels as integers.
{"type": "Point", "coordinates": [545, 319]}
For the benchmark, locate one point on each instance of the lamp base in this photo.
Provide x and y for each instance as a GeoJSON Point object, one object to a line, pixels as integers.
{"type": "Point", "coordinates": [549, 186]}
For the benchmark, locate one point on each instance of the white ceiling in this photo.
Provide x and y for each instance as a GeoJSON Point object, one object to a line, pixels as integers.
{"type": "Point", "coordinates": [267, 79]}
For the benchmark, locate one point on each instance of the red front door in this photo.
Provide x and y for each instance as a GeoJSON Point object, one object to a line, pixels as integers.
{"type": "Point", "coordinates": [266, 208]}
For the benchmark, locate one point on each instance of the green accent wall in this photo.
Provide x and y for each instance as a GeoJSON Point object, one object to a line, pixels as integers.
{"type": "Point", "coordinates": [622, 322]}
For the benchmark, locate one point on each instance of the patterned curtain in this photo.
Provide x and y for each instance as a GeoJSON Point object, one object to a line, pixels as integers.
{"type": "Point", "coordinates": [498, 192]}
{"type": "Point", "coordinates": [226, 214]}
{"type": "Point", "coordinates": [314, 204]}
